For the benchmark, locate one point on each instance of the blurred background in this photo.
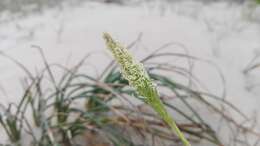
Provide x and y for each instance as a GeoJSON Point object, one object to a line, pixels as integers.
{"type": "Point", "coordinates": [224, 35]}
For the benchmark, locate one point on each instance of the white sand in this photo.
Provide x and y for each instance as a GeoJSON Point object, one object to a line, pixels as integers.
{"type": "Point", "coordinates": [227, 34]}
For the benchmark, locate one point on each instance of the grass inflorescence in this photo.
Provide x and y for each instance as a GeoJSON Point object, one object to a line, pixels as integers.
{"type": "Point", "coordinates": [135, 73]}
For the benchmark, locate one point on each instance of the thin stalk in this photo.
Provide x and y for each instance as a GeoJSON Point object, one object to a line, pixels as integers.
{"type": "Point", "coordinates": [138, 78]}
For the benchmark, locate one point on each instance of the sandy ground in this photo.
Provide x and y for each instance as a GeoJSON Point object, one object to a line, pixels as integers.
{"type": "Point", "coordinates": [226, 34]}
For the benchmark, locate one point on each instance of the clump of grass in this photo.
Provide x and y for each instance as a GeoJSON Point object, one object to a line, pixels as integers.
{"type": "Point", "coordinates": [135, 73]}
{"type": "Point", "coordinates": [49, 112]}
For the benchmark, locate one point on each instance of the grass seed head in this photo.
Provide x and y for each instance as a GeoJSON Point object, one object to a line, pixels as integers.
{"type": "Point", "coordinates": [132, 70]}
{"type": "Point", "coordinates": [138, 78]}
